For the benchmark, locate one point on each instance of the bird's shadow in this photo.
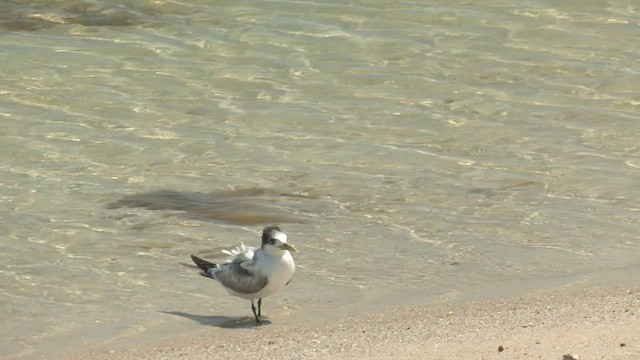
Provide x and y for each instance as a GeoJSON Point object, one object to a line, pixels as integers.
{"type": "Point", "coordinates": [225, 322]}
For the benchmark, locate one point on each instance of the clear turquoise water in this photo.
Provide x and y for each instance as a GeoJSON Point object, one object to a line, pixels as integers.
{"type": "Point", "coordinates": [415, 152]}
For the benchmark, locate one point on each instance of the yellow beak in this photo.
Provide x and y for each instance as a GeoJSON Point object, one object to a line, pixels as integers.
{"type": "Point", "coordinates": [287, 246]}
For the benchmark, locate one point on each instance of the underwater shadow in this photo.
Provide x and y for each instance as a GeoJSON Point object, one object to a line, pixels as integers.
{"type": "Point", "coordinates": [33, 17]}
{"type": "Point", "coordinates": [225, 322]}
{"type": "Point", "coordinates": [253, 206]}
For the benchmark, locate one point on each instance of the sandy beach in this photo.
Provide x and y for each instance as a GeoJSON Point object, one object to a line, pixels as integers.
{"type": "Point", "coordinates": [595, 323]}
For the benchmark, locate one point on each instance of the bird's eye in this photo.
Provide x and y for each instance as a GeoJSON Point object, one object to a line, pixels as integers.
{"type": "Point", "coordinates": [272, 241]}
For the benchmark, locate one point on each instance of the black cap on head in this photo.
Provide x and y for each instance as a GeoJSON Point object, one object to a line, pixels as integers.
{"type": "Point", "coordinates": [268, 233]}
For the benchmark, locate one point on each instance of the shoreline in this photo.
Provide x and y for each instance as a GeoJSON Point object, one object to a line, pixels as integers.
{"type": "Point", "coordinates": [594, 323]}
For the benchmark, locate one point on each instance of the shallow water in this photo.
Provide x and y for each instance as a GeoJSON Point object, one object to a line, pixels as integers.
{"type": "Point", "coordinates": [413, 152]}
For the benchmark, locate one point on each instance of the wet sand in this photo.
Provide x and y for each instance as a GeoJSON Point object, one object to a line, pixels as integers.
{"type": "Point", "coordinates": [596, 323]}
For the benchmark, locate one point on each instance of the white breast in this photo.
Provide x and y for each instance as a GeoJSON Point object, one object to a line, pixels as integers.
{"type": "Point", "coordinates": [281, 270]}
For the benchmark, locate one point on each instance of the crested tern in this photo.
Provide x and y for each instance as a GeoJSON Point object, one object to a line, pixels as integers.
{"type": "Point", "coordinates": [254, 273]}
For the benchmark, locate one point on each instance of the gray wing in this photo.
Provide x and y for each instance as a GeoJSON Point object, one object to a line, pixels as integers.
{"type": "Point", "coordinates": [235, 277]}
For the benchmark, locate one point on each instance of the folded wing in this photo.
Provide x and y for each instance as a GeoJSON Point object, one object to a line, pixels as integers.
{"type": "Point", "coordinates": [239, 277]}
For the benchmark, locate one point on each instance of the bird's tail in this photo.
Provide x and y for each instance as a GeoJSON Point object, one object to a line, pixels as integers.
{"type": "Point", "coordinates": [203, 264]}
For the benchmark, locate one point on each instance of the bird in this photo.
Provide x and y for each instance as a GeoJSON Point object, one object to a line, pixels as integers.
{"type": "Point", "coordinates": [254, 273]}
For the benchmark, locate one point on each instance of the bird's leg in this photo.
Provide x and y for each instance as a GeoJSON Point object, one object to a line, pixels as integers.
{"type": "Point", "coordinates": [260, 307]}
{"type": "Point", "coordinates": [253, 308]}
